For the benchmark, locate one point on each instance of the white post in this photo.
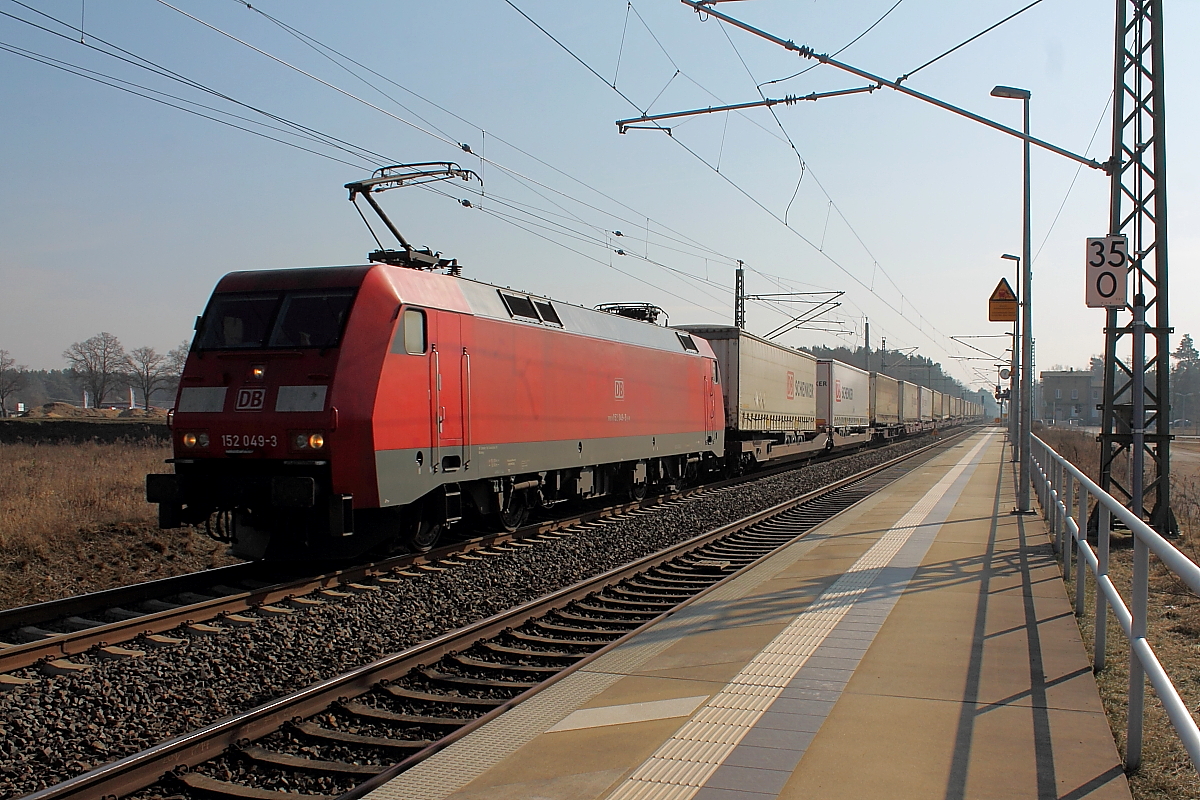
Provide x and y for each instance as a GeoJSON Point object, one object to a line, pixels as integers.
{"type": "Point", "coordinates": [1101, 630]}
{"type": "Point", "coordinates": [1080, 564]}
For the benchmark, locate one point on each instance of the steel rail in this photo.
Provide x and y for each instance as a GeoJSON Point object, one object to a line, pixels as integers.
{"type": "Point", "coordinates": [73, 643]}
{"type": "Point", "coordinates": [83, 604]}
{"type": "Point", "coordinates": [135, 772]}
{"type": "Point", "coordinates": [78, 642]}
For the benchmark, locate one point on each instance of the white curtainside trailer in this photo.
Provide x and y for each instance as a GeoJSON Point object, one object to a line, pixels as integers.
{"type": "Point", "coordinates": [926, 401]}
{"type": "Point", "coordinates": [910, 404]}
{"type": "Point", "coordinates": [843, 402]}
{"type": "Point", "coordinates": [885, 401]}
{"type": "Point", "coordinates": [770, 394]}
{"type": "Point", "coordinates": [843, 396]}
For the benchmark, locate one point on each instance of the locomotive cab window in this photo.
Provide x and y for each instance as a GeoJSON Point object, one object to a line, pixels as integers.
{"type": "Point", "coordinates": [237, 321]}
{"type": "Point", "coordinates": [414, 331]}
{"type": "Point", "coordinates": [410, 336]}
{"type": "Point", "coordinates": [312, 319]}
{"type": "Point", "coordinates": [688, 343]}
{"type": "Point", "coordinates": [252, 321]}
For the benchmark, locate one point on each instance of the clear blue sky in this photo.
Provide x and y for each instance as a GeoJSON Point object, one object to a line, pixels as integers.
{"type": "Point", "coordinates": [119, 214]}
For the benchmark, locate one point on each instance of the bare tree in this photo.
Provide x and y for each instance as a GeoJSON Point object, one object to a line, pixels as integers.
{"type": "Point", "coordinates": [12, 379]}
{"type": "Point", "coordinates": [100, 363]}
{"type": "Point", "coordinates": [176, 359]}
{"type": "Point", "coordinates": [150, 372]}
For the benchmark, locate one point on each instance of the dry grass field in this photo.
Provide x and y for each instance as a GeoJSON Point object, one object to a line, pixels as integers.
{"type": "Point", "coordinates": [73, 519]}
{"type": "Point", "coordinates": [1173, 625]}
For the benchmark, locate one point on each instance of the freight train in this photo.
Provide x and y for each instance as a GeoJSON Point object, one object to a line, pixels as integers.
{"type": "Point", "coordinates": [335, 411]}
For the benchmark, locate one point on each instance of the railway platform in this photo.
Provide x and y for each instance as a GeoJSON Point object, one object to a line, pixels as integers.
{"type": "Point", "coordinates": [918, 645]}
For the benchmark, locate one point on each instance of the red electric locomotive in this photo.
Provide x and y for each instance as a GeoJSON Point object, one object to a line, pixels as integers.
{"type": "Point", "coordinates": [330, 411]}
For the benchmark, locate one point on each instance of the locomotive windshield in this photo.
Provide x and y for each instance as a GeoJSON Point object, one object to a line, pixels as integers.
{"type": "Point", "coordinates": [243, 321]}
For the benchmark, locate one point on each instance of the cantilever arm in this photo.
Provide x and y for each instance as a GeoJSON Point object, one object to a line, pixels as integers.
{"type": "Point", "coordinates": [808, 52]}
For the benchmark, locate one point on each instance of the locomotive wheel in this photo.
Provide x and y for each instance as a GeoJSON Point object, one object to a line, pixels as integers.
{"type": "Point", "coordinates": [690, 475]}
{"type": "Point", "coordinates": [637, 491]}
{"type": "Point", "coordinates": [514, 513]}
{"type": "Point", "coordinates": [424, 536]}
{"type": "Point", "coordinates": [421, 532]}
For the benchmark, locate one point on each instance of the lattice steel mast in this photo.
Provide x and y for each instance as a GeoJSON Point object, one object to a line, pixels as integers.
{"type": "Point", "coordinates": [1136, 418]}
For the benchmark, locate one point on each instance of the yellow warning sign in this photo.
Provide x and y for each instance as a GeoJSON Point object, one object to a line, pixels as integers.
{"type": "Point", "coordinates": [1002, 305]}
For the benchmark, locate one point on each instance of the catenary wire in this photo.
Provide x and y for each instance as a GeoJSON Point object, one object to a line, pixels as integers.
{"type": "Point", "coordinates": [757, 202]}
{"type": "Point", "coordinates": [143, 63]}
{"type": "Point", "coordinates": [966, 42]}
{"type": "Point", "coordinates": [1078, 169]}
{"type": "Point", "coordinates": [60, 66]}
{"type": "Point", "coordinates": [314, 42]}
{"type": "Point", "coordinates": [175, 76]}
{"type": "Point", "coordinates": [840, 50]}
{"type": "Point", "coordinates": [111, 80]}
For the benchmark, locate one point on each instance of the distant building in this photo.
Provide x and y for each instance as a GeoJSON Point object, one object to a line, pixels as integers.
{"type": "Point", "coordinates": [1071, 396]}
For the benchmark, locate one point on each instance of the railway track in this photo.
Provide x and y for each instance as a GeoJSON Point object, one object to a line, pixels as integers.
{"type": "Point", "coordinates": [345, 735]}
{"type": "Point", "coordinates": [47, 634]}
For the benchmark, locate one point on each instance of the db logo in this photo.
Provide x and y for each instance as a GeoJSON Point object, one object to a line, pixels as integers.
{"type": "Point", "coordinates": [619, 390]}
{"type": "Point", "coordinates": [791, 386]}
{"type": "Point", "coordinates": [250, 399]}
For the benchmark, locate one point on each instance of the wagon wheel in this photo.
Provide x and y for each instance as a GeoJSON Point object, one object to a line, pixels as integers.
{"type": "Point", "coordinates": [514, 512]}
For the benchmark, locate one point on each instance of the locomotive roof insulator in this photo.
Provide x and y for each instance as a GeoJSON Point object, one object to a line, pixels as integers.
{"type": "Point", "coordinates": [406, 175]}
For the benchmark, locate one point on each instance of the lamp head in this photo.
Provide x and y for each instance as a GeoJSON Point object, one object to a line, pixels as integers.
{"type": "Point", "coordinates": [1011, 92]}
{"type": "Point", "coordinates": [1012, 258]}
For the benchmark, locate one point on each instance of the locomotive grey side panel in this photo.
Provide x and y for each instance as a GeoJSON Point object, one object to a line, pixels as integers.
{"type": "Point", "coordinates": [406, 475]}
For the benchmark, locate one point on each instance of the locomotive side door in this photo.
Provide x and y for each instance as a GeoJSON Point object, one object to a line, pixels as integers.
{"type": "Point", "coordinates": [710, 401]}
{"type": "Point", "coordinates": [447, 391]}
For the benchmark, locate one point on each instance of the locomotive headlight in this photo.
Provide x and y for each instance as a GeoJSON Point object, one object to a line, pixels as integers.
{"type": "Point", "coordinates": [189, 440]}
{"type": "Point", "coordinates": [202, 439]}
{"type": "Point", "coordinates": [257, 372]}
{"type": "Point", "coordinates": [306, 440]}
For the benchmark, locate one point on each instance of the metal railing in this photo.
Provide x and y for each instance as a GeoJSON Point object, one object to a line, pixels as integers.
{"type": "Point", "coordinates": [1063, 492]}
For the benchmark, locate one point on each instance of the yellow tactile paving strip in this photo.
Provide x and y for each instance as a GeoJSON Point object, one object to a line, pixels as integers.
{"type": "Point", "coordinates": [685, 763]}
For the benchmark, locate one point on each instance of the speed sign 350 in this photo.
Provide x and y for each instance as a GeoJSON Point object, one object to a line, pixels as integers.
{"type": "Point", "coordinates": [1107, 268]}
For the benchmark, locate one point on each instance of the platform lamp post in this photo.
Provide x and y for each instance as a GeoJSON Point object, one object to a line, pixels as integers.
{"type": "Point", "coordinates": [1014, 387]}
{"type": "Point", "coordinates": [1026, 405]}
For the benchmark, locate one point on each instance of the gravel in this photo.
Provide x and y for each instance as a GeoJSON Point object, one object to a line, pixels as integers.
{"type": "Point", "coordinates": [56, 728]}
